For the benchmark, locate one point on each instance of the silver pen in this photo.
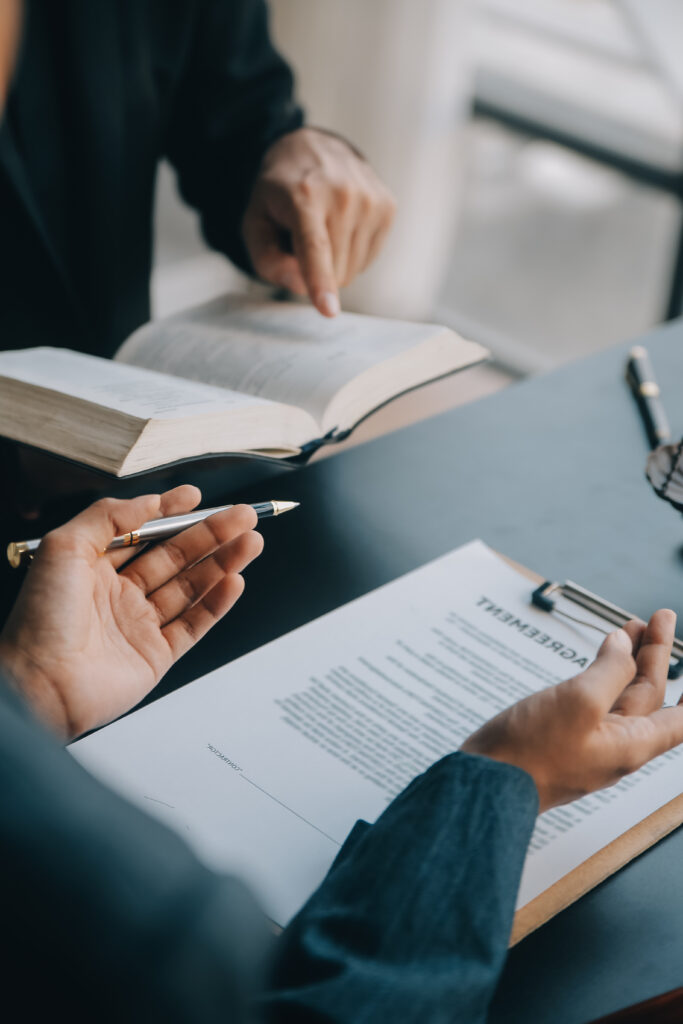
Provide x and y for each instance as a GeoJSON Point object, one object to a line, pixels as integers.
{"type": "Point", "coordinates": [20, 552]}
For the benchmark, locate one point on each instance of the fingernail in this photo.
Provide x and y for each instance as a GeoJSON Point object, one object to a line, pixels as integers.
{"type": "Point", "coordinates": [671, 616]}
{"type": "Point", "coordinates": [621, 638]}
{"type": "Point", "coordinates": [328, 303]}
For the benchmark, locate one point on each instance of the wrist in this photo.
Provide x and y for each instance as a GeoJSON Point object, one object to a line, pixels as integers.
{"type": "Point", "coordinates": [504, 756]}
{"type": "Point", "coordinates": [340, 138]}
{"type": "Point", "coordinates": [42, 696]}
{"type": "Point", "coordinates": [310, 134]}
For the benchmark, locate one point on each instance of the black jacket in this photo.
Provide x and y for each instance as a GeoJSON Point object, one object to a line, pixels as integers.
{"type": "Point", "coordinates": [104, 89]}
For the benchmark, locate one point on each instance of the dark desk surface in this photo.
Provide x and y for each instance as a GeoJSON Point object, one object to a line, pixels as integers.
{"type": "Point", "coordinates": [550, 472]}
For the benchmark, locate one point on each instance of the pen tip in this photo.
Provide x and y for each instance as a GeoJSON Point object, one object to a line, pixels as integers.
{"type": "Point", "coordinates": [284, 506]}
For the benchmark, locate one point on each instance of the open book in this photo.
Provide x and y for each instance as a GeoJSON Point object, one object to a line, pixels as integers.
{"type": "Point", "coordinates": [265, 765]}
{"type": "Point", "coordinates": [234, 376]}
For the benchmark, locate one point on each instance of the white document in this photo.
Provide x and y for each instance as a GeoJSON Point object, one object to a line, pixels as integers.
{"type": "Point", "coordinates": [265, 765]}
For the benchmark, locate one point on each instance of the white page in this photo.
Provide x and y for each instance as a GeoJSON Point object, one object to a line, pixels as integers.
{"type": "Point", "coordinates": [264, 765]}
{"type": "Point", "coordinates": [138, 392]}
{"type": "Point", "coordinates": [285, 352]}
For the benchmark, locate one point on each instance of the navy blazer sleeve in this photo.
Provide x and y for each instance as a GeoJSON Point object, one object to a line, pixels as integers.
{"type": "Point", "coordinates": [108, 916]}
{"type": "Point", "coordinates": [235, 99]}
{"type": "Point", "coordinates": [413, 920]}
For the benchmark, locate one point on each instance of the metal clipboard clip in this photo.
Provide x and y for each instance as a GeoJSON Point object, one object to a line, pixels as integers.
{"type": "Point", "coordinates": [546, 596]}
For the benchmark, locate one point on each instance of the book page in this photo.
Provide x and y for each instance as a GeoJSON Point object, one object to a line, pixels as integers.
{"type": "Point", "coordinates": [142, 393]}
{"type": "Point", "coordinates": [283, 351]}
{"type": "Point", "coordinates": [265, 765]}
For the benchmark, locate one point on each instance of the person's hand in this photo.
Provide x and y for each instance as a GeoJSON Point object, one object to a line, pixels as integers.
{"type": "Point", "coordinates": [588, 732]}
{"type": "Point", "coordinates": [318, 216]}
{"type": "Point", "coordinates": [92, 632]}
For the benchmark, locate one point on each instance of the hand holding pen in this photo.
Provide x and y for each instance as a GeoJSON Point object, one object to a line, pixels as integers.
{"type": "Point", "coordinates": [21, 552]}
{"type": "Point", "coordinates": [91, 633]}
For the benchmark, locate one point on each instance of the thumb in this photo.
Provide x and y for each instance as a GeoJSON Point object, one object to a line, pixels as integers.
{"type": "Point", "coordinates": [616, 641]}
{"type": "Point", "coordinates": [612, 670]}
{"type": "Point", "coordinates": [269, 253]}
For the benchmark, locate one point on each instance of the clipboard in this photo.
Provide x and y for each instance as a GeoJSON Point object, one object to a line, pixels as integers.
{"type": "Point", "coordinates": [629, 844]}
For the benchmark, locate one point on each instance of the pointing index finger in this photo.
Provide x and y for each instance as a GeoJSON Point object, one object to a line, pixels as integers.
{"type": "Point", "coordinates": [313, 250]}
{"type": "Point", "coordinates": [613, 669]}
{"type": "Point", "coordinates": [93, 529]}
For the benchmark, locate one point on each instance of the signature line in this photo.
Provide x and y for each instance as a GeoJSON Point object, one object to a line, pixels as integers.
{"type": "Point", "coordinates": [154, 800]}
{"type": "Point", "coordinates": [295, 813]}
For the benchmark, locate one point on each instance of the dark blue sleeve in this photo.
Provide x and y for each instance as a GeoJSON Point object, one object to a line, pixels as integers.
{"type": "Point", "coordinates": [413, 920]}
{"type": "Point", "coordinates": [235, 99]}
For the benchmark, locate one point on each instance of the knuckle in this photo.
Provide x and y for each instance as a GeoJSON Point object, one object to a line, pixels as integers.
{"type": "Point", "coordinates": [629, 762]}
{"type": "Point", "coordinates": [640, 680]}
{"type": "Point", "coordinates": [304, 191]}
{"type": "Point", "coordinates": [108, 507]}
{"type": "Point", "coordinates": [344, 196]}
{"type": "Point", "coordinates": [135, 577]}
{"type": "Point", "coordinates": [105, 504]}
{"type": "Point", "coordinates": [315, 257]}
{"type": "Point", "coordinates": [631, 755]}
{"type": "Point", "coordinates": [366, 204]}
{"type": "Point", "coordinates": [158, 611]}
{"type": "Point", "coordinates": [175, 554]}
{"type": "Point", "coordinates": [187, 588]}
{"type": "Point", "coordinates": [313, 236]}
{"type": "Point", "coordinates": [584, 788]}
{"type": "Point", "coordinates": [190, 629]}
{"type": "Point", "coordinates": [216, 528]}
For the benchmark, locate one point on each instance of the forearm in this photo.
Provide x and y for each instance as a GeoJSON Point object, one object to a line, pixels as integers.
{"type": "Point", "coordinates": [412, 923]}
